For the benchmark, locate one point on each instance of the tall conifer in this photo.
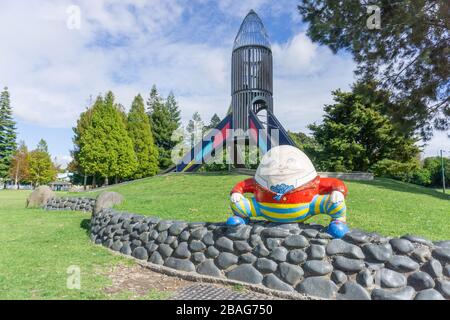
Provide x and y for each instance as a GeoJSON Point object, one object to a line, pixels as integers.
{"type": "Point", "coordinates": [140, 133]}
{"type": "Point", "coordinates": [8, 143]}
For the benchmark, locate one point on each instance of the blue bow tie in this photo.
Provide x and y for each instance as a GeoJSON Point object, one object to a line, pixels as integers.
{"type": "Point", "coordinates": [281, 190]}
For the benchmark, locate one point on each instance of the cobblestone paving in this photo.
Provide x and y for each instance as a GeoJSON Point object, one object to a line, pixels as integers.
{"type": "Point", "coordinates": [213, 292]}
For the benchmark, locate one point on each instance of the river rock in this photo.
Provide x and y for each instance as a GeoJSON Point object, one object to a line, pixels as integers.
{"type": "Point", "coordinates": [279, 254]}
{"type": "Point", "coordinates": [317, 268]}
{"type": "Point", "coordinates": [316, 252]}
{"type": "Point", "coordinates": [265, 265]}
{"type": "Point", "coordinates": [429, 294]}
{"type": "Point", "coordinates": [338, 246]}
{"type": "Point", "coordinates": [352, 291]}
{"type": "Point", "coordinates": [271, 281]}
{"type": "Point", "coordinates": [290, 273]}
{"type": "Point", "coordinates": [296, 241]}
{"type": "Point", "coordinates": [297, 256]}
{"type": "Point", "coordinates": [406, 293]}
{"type": "Point", "coordinates": [402, 264]}
{"type": "Point", "coordinates": [391, 279]}
{"type": "Point", "coordinates": [378, 252]}
{"type": "Point", "coordinates": [339, 277]}
{"type": "Point", "coordinates": [420, 281]}
{"type": "Point", "coordinates": [225, 244]}
{"type": "Point", "coordinates": [140, 253]}
{"type": "Point", "coordinates": [442, 254]}
{"type": "Point", "coordinates": [209, 268]}
{"type": "Point", "coordinates": [245, 273]}
{"type": "Point", "coordinates": [401, 246]}
{"type": "Point", "coordinates": [226, 260]}
{"type": "Point", "coordinates": [348, 265]}
{"type": "Point", "coordinates": [318, 287]}
{"type": "Point", "coordinates": [179, 264]}
{"type": "Point", "coordinates": [433, 268]}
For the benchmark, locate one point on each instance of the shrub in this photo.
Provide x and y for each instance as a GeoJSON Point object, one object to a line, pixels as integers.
{"type": "Point", "coordinates": [403, 171]}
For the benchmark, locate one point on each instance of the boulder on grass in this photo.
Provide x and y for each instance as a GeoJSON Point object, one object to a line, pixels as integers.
{"type": "Point", "coordinates": [106, 200]}
{"type": "Point", "coordinates": [39, 197]}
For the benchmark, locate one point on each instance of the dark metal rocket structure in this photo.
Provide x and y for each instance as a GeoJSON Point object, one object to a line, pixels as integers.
{"type": "Point", "coordinates": [251, 116]}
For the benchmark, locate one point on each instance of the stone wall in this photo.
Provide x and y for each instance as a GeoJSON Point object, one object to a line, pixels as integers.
{"type": "Point", "coordinates": [287, 257]}
{"type": "Point", "coordinates": [66, 203]}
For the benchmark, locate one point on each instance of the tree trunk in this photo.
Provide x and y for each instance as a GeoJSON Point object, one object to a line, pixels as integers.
{"type": "Point", "coordinates": [85, 182]}
{"type": "Point", "coordinates": [116, 180]}
{"type": "Point", "coordinates": [106, 181]}
{"type": "Point", "coordinates": [93, 181]}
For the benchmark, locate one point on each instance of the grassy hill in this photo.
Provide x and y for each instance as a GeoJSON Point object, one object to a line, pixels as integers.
{"type": "Point", "coordinates": [383, 205]}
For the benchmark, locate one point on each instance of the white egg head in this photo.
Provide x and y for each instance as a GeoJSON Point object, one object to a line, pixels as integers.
{"type": "Point", "coordinates": [284, 167]}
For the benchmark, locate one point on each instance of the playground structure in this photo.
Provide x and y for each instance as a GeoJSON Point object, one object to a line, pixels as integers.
{"type": "Point", "coordinates": [250, 118]}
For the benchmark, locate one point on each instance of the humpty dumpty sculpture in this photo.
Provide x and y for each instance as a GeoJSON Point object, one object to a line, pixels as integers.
{"type": "Point", "coordinates": [287, 189]}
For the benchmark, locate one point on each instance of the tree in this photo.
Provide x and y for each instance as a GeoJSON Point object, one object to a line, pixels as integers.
{"type": "Point", "coordinates": [215, 120]}
{"type": "Point", "coordinates": [106, 149]}
{"type": "Point", "coordinates": [306, 143]}
{"type": "Point", "coordinates": [433, 164]}
{"type": "Point", "coordinates": [7, 134]}
{"type": "Point", "coordinates": [354, 136]}
{"type": "Point", "coordinates": [19, 170]}
{"type": "Point", "coordinates": [42, 146]}
{"type": "Point", "coordinates": [164, 120]}
{"type": "Point", "coordinates": [174, 111]}
{"type": "Point", "coordinates": [41, 168]}
{"type": "Point", "coordinates": [195, 129]}
{"type": "Point", "coordinates": [408, 55]}
{"type": "Point", "coordinates": [83, 123]}
{"type": "Point", "coordinates": [140, 133]}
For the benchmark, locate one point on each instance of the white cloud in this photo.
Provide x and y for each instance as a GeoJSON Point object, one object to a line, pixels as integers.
{"type": "Point", "coordinates": [52, 71]}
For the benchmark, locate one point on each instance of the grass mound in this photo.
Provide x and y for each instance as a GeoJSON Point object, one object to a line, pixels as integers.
{"type": "Point", "coordinates": [386, 206]}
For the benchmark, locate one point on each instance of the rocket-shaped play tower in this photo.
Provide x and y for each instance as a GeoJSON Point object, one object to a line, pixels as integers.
{"type": "Point", "coordinates": [251, 115]}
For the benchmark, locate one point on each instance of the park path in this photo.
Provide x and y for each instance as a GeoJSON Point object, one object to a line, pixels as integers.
{"type": "Point", "coordinates": [138, 281]}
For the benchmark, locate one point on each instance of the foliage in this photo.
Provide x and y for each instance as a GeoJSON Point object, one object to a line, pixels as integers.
{"type": "Point", "coordinates": [164, 120]}
{"type": "Point", "coordinates": [7, 134]}
{"type": "Point", "coordinates": [433, 165]}
{"type": "Point", "coordinates": [140, 133]}
{"type": "Point", "coordinates": [355, 135]}
{"type": "Point", "coordinates": [105, 149]}
{"type": "Point", "coordinates": [19, 171]}
{"type": "Point", "coordinates": [408, 54]}
{"type": "Point", "coordinates": [306, 143]}
{"type": "Point", "coordinates": [403, 171]}
{"type": "Point", "coordinates": [41, 168]}
{"type": "Point", "coordinates": [215, 120]}
{"type": "Point", "coordinates": [75, 167]}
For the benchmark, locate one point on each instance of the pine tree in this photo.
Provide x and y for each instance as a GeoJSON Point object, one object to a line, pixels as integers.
{"type": "Point", "coordinates": [42, 170]}
{"type": "Point", "coordinates": [164, 120]}
{"type": "Point", "coordinates": [174, 111]}
{"type": "Point", "coordinates": [140, 133]}
{"type": "Point", "coordinates": [19, 170]}
{"type": "Point", "coordinates": [195, 129]}
{"type": "Point", "coordinates": [215, 120]}
{"type": "Point", "coordinates": [7, 134]}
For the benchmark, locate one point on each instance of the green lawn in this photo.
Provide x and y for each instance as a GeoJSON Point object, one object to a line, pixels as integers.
{"type": "Point", "coordinates": [37, 247]}
{"type": "Point", "coordinates": [386, 206]}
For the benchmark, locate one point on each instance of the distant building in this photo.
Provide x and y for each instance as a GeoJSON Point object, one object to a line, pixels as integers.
{"type": "Point", "coordinates": [60, 185]}
{"type": "Point", "coordinates": [62, 182]}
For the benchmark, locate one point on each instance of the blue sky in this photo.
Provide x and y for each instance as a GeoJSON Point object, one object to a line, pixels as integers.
{"type": "Point", "coordinates": [182, 46]}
